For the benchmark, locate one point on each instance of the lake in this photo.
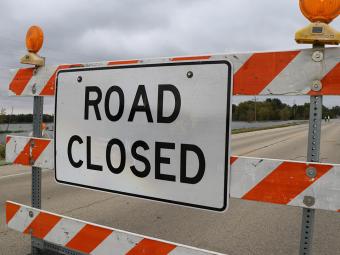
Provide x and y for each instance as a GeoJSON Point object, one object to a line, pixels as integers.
{"type": "Point", "coordinates": [24, 129]}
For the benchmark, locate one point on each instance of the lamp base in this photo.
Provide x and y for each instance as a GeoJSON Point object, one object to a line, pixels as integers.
{"type": "Point", "coordinates": [318, 33]}
{"type": "Point", "coordinates": [32, 59]}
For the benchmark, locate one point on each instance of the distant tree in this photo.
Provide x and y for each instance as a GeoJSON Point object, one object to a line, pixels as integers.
{"type": "Point", "coordinates": [263, 113]}
{"type": "Point", "coordinates": [274, 109]}
{"type": "Point", "coordinates": [285, 113]}
{"type": "Point", "coordinates": [23, 118]}
{"type": "Point", "coordinates": [2, 115]}
{"type": "Point", "coordinates": [335, 111]}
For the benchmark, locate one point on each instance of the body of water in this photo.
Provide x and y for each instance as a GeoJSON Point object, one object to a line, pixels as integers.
{"type": "Point", "coordinates": [25, 129]}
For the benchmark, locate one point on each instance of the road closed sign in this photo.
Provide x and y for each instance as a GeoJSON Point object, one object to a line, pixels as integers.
{"type": "Point", "coordinates": [158, 131]}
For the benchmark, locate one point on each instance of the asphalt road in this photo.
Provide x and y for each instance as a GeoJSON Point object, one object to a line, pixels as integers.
{"type": "Point", "coordinates": [246, 228]}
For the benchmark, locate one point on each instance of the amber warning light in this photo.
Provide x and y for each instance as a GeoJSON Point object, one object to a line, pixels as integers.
{"type": "Point", "coordinates": [34, 42]}
{"type": "Point", "coordinates": [320, 13]}
{"type": "Point", "coordinates": [320, 10]}
{"type": "Point", "coordinates": [34, 39]}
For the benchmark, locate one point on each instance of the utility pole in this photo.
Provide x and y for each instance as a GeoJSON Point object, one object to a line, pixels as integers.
{"type": "Point", "coordinates": [255, 110]}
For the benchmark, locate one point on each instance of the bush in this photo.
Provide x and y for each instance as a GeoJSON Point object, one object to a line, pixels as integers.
{"type": "Point", "coordinates": [2, 151]}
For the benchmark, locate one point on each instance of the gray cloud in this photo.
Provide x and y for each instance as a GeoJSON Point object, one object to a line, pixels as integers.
{"type": "Point", "coordinates": [82, 31]}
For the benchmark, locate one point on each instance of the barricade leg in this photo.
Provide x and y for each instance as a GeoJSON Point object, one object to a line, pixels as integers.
{"type": "Point", "coordinates": [37, 245]}
{"type": "Point", "coordinates": [313, 155]}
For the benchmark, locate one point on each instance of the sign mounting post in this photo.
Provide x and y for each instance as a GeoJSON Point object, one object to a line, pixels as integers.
{"type": "Point", "coordinates": [318, 33]}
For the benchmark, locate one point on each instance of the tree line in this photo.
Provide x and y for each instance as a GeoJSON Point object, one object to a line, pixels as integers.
{"type": "Point", "coordinates": [22, 118]}
{"type": "Point", "coordinates": [274, 109]}
{"type": "Point", "coordinates": [270, 109]}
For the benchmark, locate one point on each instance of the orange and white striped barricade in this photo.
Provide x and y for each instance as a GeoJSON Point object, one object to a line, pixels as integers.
{"type": "Point", "coordinates": [313, 72]}
{"type": "Point", "coordinates": [88, 238]}
{"type": "Point", "coordinates": [29, 151]}
{"type": "Point", "coordinates": [303, 184]}
{"type": "Point", "coordinates": [261, 73]}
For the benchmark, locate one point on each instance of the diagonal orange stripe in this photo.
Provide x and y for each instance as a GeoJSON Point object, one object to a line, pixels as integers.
{"type": "Point", "coordinates": [39, 146]}
{"type": "Point", "coordinates": [88, 238]}
{"type": "Point", "coordinates": [42, 225]}
{"type": "Point", "coordinates": [284, 183]}
{"type": "Point", "coordinates": [11, 210]}
{"type": "Point", "coordinates": [49, 88]}
{"type": "Point", "coordinates": [20, 80]}
{"type": "Point", "coordinates": [24, 156]}
{"type": "Point", "coordinates": [339, 210]}
{"type": "Point", "coordinates": [233, 159]}
{"type": "Point", "coordinates": [8, 138]}
{"type": "Point", "coordinates": [190, 58]}
{"type": "Point", "coordinates": [151, 247]}
{"type": "Point", "coordinates": [123, 62]}
{"type": "Point", "coordinates": [259, 70]}
{"type": "Point", "coordinates": [330, 83]}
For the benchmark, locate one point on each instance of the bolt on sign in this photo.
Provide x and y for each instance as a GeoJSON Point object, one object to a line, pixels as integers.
{"type": "Point", "coordinates": [158, 131]}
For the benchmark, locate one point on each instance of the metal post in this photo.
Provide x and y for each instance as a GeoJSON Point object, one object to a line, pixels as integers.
{"type": "Point", "coordinates": [38, 246]}
{"type": "Point", "coordinates": [313, 155]}
{"type": "Point", "coordinates": [38, 105]}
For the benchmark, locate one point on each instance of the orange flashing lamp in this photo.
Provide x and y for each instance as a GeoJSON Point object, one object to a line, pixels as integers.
{"type": "Point", "coordinates": [34, 42]}
{"type": "Point", "coordinates": [320, 10]}
{"type": "Point", "coordinates": [320, 13]}
{"type": "Point", "coordinates": [34, 39]}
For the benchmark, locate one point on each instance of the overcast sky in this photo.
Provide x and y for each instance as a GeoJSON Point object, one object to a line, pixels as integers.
{"type": "Point", "coordinates": [84, 31]}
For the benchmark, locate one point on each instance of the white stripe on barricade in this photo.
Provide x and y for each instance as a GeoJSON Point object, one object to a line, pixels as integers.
{"type": "Point", "coordinates": [325, 191]}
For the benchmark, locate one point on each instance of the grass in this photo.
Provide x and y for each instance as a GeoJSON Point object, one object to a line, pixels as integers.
{"type": "Point", "coordinates": [2, 151]}
{"type": "Point", "coordinates": [3, 163]}
{"type": "Point", "coordinates": [2, 155]}
{"type": "Point", "coordinates": [245, 130]}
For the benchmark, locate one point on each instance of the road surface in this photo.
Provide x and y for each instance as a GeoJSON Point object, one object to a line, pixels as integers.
{"type": "Point", "coordinates": [246, 228]}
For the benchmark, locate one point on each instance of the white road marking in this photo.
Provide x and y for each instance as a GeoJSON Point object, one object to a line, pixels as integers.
{"type": "Point", "coordinates": [13, 175]}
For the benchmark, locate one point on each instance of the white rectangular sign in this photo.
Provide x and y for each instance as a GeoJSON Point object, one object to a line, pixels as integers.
{"type": "Point", "coordinates": [157, 131]}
